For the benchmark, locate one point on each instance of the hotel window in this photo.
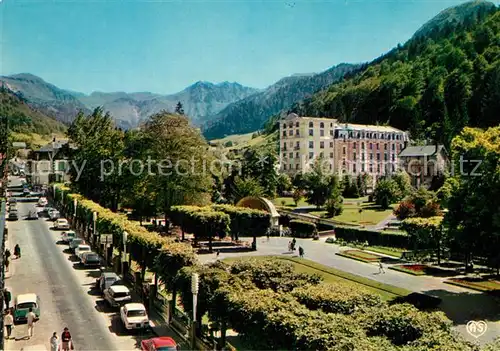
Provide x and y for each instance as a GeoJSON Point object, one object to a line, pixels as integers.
{"type": "Point", "coordinates": [354, 156]}
{"type": "Point", "coordinates": [371, 156]}
{"type": "Point", "coordinates": [311, 155]}
{"type": "Point", "coordinates": [311, 132]}
{"type": "Point", "coordinates": [362, 146]}
{"type": "Point", "coordinates": [322, 125]}
{"type": "Point", "coordinates": [331, 132]}
{"type": "Point", "coordinates": [386, 157]}
{"type": "Point", "coordinates": [297, 124]}
{"type": "Point", "coordinates": [284, 147]}
{"type": "Point", "coordinates": [321, 144]}
{"type": "Point", "coordinates": [393, 147]}
{"type": "Point", "coordinates": [297, 166]}
{"type": "Point", "coordinates": [284, 125]}
{"type": "Point", "coordinates": [371, 146]}
{"type": "Point", "coordinates": [378, 168]}
{"type": "Point", "coordinates": [331, 154]}
{"type": "Point", "coordinates": [393, 168]}
{"type": "Point", "coordinates": [321, 154]}
{"type": "Point", "coordinates": [331, 124]}
{"type": "Point", "coordinates": [297, 155]}
{"type": "Point", "coordinates": [297, 132]}
{"type": "Point", "coordinates": [344, 150]}
{"type": "Point", "coordinates": [311, 124]}
{"type": "Point", "coordinates": [284, 155]}
{"type": "Point", "coordinates": [290, 132]}
{"type": "Point", "coordinates": [385, 146]}
{"type": "Point", "coordinates": [378, 156]}
{"type": "Point", "coordinates": [371, 168]}
{"type": "Point", "coordinates": [297, 145]}
{"type": "Point", "coordinates": [362, 157]}
{"type": "Point", "coordinates": [393, 157]}
{"type": "Point", "coordinates": [284, 133]}
{"type": "Point", "coordinates": [284, 167]}
{"type": "Point", "coordinates": [311, 145]}
{"type": "Point", "coordinates": [331, 143]}
{"type": "Point", "coordinates": [321, 132]}
{"type": "Point", "coordinates": [354, 145]}
{"type": "Point", "coordinates": [362, 167]}
{"type": "Point", "coordinates": [291, 154]}
{"type": "Point", "coordinates": [331, 166]}
{"type": "Point", "coordinates": [354, 168]}
{"type": "Point", "coordinates": [290, 125]}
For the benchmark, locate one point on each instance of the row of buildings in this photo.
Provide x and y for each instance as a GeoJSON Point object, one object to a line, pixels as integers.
{"type": "Point", "coordinates": [355, 149]}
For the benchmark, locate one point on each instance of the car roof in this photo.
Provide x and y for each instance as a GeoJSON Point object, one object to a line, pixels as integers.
{"type": "Point", "coordinates": [26, 298]}
{"type": "Point", "coordinates": [69, 232]}
{"type": "Point", "coordinates": [82, 245]}
{"type": "Point", "coordinates": [163, 341]}
{"type": "Point", "coordinates": [135, 306]}
{"type": "Point", "coordinates": [62, 219]}
{"type": "Point", "coordinates": [109, 275]}
{"type": "Point", "coordinates": [119, 288]}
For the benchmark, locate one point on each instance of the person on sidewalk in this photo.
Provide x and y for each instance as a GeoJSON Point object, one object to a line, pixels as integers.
{"type": "Point", "coordinates": [301, 252]}
{"type": "Point", "coordinates": [7, 296]}
{"type": "Point", "coordinates": [7, 253]}
{"type": "Point", "coordinates": [7, 264]}
{"type": "Point", "coordinates": [17, 251]}
{"type": "Point", "coordinates": [8, 320]}
{"type": "Point", "coordinates": [67, 342]}
{"type": "Point", "coordinates": [380, 267]}
{"type": "Point", "coordinates": [54, 342]}
{"type": "Point", "coordinates": [31, 317]}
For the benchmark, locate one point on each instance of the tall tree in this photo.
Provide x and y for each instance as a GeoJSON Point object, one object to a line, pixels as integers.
{"type": "Point", "coordinates": [179, 109]}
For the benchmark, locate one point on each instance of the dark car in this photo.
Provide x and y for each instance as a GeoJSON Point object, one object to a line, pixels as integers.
{"type": "Point", "coordinates": [13, 215]}
{"type": "Point", "coordinates": [91, 259]}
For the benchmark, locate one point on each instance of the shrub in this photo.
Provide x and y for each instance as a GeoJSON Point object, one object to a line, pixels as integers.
{"type": "Point", "coordinates": [404, 210]}
{"type": "Point", "coordinates": [374, 238]}
{"type": "Point", "coordinates": [430, 209]}
{"type": "Point", "coordinates": [246, 221]}
{"type": "Point", "coordinates": [302, 229]}
{"type": "Point", "coordinates": [334, 206]}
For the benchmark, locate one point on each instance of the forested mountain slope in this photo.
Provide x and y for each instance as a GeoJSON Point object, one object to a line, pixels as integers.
{"type": "Point", "coordinates": [431, 87]}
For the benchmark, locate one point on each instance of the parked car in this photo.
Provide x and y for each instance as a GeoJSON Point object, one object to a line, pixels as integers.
{"type": "Point", "coordinates": [68, 236]}
{"type": "Point", "coordinates": [134, 316]}
{"type": "Point", "coordinates": [81, 249]}
{"type": "Point", "coordinates": [13, 215]}
{"type": "Point", "coordinates": [106, 280]}
{"type": "Point", "coordinates": [42, 202]}
{"type": "Point", "coordinates": [162, 343]}
{"type": "Point", "coordinates": [73, 244]}
{"type": "Point", "coordinates": [32, 214]}
{"type": "Point", "coordinates": [22, 305]}
{"type": "Point", "coordinates": [117, 295]}
{"type": "Point", "coordinates": [54, 214]}
{"type": "Point", "coordinates": [90, 259]}
{"type": "Point", "coordinates": [26, 192]}
{"type": "Point", "coordinates": [61, 224]}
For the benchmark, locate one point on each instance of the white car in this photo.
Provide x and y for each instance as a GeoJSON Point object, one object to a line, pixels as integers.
{"type": "Point", "coordinates": [42, 202]}
{"type": "Point", "coordinates": [54, 214]}
{"type": "Point", "coordinates": [61, 224]}
{"type": "Point", "coordinates": [134, 316]}
{"type": "Point", "coordinates": [117, 295]}
{"type": "Point", "coordinates": [81, 249]}
{"type": "Point", "coordinates": [66, 237]}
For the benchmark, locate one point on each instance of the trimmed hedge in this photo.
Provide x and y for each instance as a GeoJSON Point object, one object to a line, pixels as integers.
{"type": "Point", "coordinates": [302, 229]}
{"type": "Point", "coordinates": [246, 221]}
{"type": "Point", "coordinates": [373, 237]}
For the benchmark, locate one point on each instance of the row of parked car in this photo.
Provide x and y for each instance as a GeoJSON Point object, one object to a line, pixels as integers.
{"type": "Point", "coordinates": [110, 286]}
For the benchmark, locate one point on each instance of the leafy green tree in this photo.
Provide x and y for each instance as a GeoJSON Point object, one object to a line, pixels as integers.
{"type": "Point", "coordinates": [426, 233]}
{"type": "Point", "coordinates": [244, 187]}
{"type": "Point", "coordinates": [445, 193]}
{"type": "Point", "coordinates": [386, 193]}
{"type": "Point", "coordinates": [298, 194]}
{"type": "Point", "coordinates": [403, 182]}
{"type": "Point", "coordinates": [284, 183]}
{"type": "Point", "coordinates": [319, 184]}
{"type": "Point", "coordinates": [334, 205]}
{"type": "Point", "coordinates": [179, 109]}
{"type": "Point", "coordinates": [421, 199]}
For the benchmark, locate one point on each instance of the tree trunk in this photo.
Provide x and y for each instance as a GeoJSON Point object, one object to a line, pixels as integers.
{"type": "Point", "coordinates": [182, 230]}
{"type": "Point", "coordinates": [223, 330]}
{"type": "Point", "coordinates": [439, 252]}
{"type": "Point", "coordinates": [210, 243]}
{"type": "Point", "coordinates": [254, 244]}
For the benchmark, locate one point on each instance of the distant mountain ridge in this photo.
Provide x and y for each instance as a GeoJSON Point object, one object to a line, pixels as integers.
{"type": "Point", "coordinates": [249, 114]}
{"type": "Point", "coordinates": [199, 100]}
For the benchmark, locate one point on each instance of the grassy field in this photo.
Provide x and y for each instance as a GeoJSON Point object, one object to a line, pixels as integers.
{"type": "Point", "coordinates": [479, 284]}
{"type": "Point", "coordinates": [390, 251]}
{"type": "Point", "coordinates": [240, 141]}
{"type": "Point", "coordinates": [33, 139]}
{"type": "Point", "coordinates": [332, 275]}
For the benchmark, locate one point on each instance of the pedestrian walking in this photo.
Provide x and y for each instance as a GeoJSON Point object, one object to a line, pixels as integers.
{"type": "Point", "coordinates": [7, 264]}
{"type": "Point", "coordinates": [7, 296]}
{"type": "Point", "coordinates": [289, 246]}
{"type": "Point", "coordinates": [67, 342]}
{"type": "Point", "coordinates": [218, 253]}
{"type": "Point", "coordinates": [301, 251]}
{"type": "Point", "coordinates": [7, 253]}
{"type": "Point", "coordinates": [8, 320]}
{"type": "Point", "coordinates": [294, 242]}
{"type": "Point", "coordinates": [31, 317]}
{"type": "Point", "coordinates": [380, 268]}
{"type": "Point", "coordinates": [54, 342]}
{"type": "Point", "coordinates": [17, 251]}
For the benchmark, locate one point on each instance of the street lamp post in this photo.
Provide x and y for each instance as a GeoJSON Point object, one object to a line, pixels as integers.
{"type": "Point", "coordinates": [124, 257]}
{"type": "Point", "coordinates": [195, 286]}
{"type": "Point", "coordinates": [75, 203]}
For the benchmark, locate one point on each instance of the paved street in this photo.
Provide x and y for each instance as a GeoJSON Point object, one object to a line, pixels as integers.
{"type": "Point", "coordinates": [64, 291]}
{"type": "Point", "coordinates": [460, 305]}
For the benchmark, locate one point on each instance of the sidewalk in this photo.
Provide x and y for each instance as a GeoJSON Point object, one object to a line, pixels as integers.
{"type": "Point", "coordinates": [160, 328]}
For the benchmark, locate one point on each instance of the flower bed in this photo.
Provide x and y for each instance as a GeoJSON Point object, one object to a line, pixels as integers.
{"type": "Point", "coordinates": [414, 269]}
{"type": "Point", "coordinates": [360, 255]}
{"type": "Point", "coordinates": [479, 284]}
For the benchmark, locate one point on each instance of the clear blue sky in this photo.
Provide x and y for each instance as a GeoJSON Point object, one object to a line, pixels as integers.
{"type": "Point", "coordinates": [164, 46]}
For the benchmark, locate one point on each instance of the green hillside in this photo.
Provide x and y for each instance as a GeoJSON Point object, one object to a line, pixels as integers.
{"type": "Point", "coordinates": [431, 87]}
{"type": "Point", "coordinates": [25, 123]}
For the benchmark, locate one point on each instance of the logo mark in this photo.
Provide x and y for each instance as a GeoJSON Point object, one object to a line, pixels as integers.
{"type": "Point", "coordinates": [476, 328]}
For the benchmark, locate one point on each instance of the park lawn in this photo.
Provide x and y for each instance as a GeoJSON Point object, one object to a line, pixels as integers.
{"type": "Point", "coordinates": [371, 214]}
{"type": "Point", "coordinates": [389, 251]}
{"type": "Point", "coordinates": [288, 202]}
{"type": "Point", "coordinates": [480, 284]}
{"type": "Point", "coordinates": [331, 275]}
{"type": "Point", "coordinates": [360, 255]}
